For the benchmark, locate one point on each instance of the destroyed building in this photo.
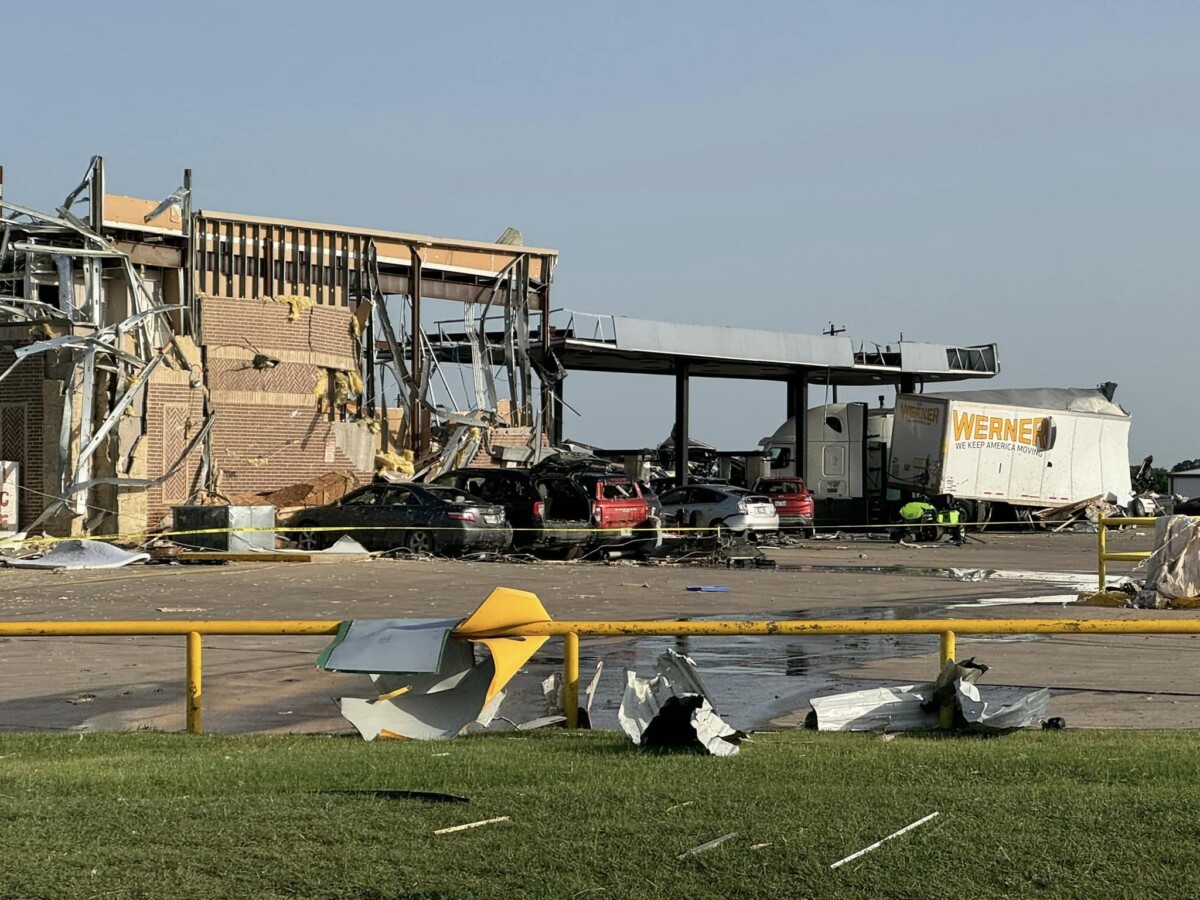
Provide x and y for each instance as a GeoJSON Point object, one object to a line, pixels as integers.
{"type": "Point", "coordinates": [154, 354]}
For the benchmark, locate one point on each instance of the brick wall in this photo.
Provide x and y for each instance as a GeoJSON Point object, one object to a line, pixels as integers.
{"type": "Point", "coordinates": [265, 324]}
{"type": "Point", "coordinates": [174, 413]}
{"type": "Point", "coordinates": [269, 432]}
{"type": "Point", "coordinates": [22, 430]}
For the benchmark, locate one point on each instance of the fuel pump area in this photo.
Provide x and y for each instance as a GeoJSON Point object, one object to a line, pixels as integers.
{"type": "Point", "coordinates": [831, 446]}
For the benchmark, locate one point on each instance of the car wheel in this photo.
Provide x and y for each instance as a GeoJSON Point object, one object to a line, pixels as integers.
{"type": "Point", "coordinates": [420, 542]}
{"type": "Point", "coordinates": [306, 538]}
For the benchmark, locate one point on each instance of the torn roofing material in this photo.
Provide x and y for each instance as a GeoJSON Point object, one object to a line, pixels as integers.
{"type": "Point", "coordinates": [80, 554]}
{"type": "Point", "coordinates": [430, 686]}
{"type": "Point", "coordinates": [915, 707]}
{"type": "Point", "coordinates": [673, 709]}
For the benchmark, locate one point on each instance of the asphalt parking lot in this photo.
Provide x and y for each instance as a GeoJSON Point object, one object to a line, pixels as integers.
{"type": "Point", "coordinates": [272, 685]}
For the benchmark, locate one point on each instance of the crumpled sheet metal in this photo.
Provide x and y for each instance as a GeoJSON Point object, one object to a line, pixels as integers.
{"type": "Point", "coordinates": [80, 554]}
{"type": "Point", "coordinates": [915, 707]}
{"type": "Point", "coordinates": [1173, 569]}
{"type": "Point", "coordinates": [877, 709]}
{"type": "Point", "coordinates": [430, 686]}
{"type": "Point", "coordinates": [673, 709]}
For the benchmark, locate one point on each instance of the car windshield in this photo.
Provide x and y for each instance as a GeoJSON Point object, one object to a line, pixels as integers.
{"type": "Point", "coordinates": [450, 494]}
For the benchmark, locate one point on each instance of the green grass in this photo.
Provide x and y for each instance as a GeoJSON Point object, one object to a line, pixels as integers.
{"type": "Point", "coordinates": [155, 815]}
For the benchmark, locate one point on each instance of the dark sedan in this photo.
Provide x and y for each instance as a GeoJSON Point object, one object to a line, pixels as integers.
{"type": "Point", "coordinates": [424, 518]}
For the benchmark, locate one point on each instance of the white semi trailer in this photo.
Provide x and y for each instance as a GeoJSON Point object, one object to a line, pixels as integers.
{"type": "Point", "coordinates": [1027, 448]}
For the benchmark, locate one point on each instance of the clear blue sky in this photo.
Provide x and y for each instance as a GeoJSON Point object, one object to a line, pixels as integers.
{"type": "Point", "coordinates": [1024, 173]}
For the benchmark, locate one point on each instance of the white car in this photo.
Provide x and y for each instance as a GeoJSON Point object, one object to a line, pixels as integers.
{"type": "Point", "coordinates": [708, 505]}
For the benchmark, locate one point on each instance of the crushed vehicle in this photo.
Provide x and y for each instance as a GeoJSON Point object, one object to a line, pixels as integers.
{"type": "Point", "coordinates": [793, 502]}
{"type": "Point", "coordinates": [548, 511]}
{"type": "Point", "coordinates": [620, 513]}
{"type": "Point", "coordinates": [423, 518]}
{"type": "Point", "coordinates": [724, 505]}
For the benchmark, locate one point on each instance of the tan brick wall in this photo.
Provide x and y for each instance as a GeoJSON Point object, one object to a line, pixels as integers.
{"type": "Point", "coordinates": [174, 413]}
{"type": "Point", "coordinates": [269, 432]}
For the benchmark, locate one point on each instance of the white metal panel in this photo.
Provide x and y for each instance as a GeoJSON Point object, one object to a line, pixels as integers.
{"type": "Point", "coordinates": [10, 504]}
{"type": "Point", "coordinates": [744, 344]}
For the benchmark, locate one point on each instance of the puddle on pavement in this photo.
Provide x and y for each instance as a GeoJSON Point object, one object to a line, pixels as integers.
{"type": "Point", "coordinates": [751, 679]}
{"type": "Point", "coordinates": [756, 679]}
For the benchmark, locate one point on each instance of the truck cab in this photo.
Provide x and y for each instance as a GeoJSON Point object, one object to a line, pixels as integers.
{"type": "Point", "coordinates": [836, 473]}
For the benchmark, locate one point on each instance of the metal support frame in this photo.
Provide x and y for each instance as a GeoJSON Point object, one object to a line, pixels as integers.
{"type": "Point", "coordinates": [682, 429]}
{"type": "Point", "coordinates": [797, 408]}
{"type": "Point", "coordinates": [417, 438]}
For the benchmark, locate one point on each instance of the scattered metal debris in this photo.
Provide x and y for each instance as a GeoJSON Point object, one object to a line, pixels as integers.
{"type": "Point", "coordinates": [1173, 569]}
{"type": "Point", "coordinates": [80, 554]}
{"type": "Point", "coordinates": [429, 685]}
{"type": "Point", "coordinates": [673, 710]}
{"type": "Point", "coordinates": [916, 707]}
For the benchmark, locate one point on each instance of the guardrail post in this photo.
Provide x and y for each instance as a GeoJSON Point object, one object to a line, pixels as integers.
{"type": "Point", "coordinates": [946, 652]}
{"type": "Point", "coordinates": [1102, 566]}
{"type": "Point", "coordinates": [570, 691]}
{"type": "Point", "coordinates": [194, 668]}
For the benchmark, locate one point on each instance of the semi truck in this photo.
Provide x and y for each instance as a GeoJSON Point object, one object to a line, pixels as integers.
{"type": "Point", "coordinates": [1023, 449]}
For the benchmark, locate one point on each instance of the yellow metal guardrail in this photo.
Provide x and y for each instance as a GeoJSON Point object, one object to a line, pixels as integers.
{"type": "Point", "coordinates": [946, 629]}
{"type": "Point", "coordinates": [1104, 557]}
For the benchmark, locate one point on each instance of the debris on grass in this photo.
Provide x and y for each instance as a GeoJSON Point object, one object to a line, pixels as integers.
{"type": "Point", "coordinates": [673, 710]}
{"type": "Point", "coordinates": [881, 842]}
{"type": "Point", "coordinates": [389, 794]}
{"type": "Point", "coordinates": [454, 828]}
{"type": "Point", "coordinates": [709, 845]}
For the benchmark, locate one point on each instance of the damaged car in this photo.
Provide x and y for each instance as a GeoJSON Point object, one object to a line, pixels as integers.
{"type": "Point", "coordinates": [423, 518]}
{"type": "Point", "coordinates": [620, 513]}
{"type": "Point", "coordinates": [719, 505]}
{"type": "Point", "coordinates": [548, 511]}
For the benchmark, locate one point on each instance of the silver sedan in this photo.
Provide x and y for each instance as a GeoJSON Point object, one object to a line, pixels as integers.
{"type": "Point", "coordinates": [709, 505]}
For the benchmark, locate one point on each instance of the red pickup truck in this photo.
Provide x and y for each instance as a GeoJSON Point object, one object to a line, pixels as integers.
{"type": "Point", "coordinates": [617, 502]}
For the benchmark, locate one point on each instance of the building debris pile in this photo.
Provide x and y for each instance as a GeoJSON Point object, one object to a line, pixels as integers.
{"type": "Point", "coordinates": [153, 355]}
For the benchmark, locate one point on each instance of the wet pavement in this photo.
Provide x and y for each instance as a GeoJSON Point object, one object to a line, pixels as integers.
{"type": "Point", "coordinates": [271, 684]}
